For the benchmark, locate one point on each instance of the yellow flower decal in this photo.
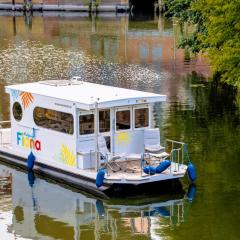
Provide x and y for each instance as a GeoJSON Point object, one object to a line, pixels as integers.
{"type": "Point", "coordinates": [27, 99]}
{"type": "Point", "coordinates": [68, 157]}
{"type": "Point", "coordinates": [123, 138]}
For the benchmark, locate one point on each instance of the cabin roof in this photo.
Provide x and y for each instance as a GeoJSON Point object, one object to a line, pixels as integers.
{"type": "Point", "coordinates": [86, 94]}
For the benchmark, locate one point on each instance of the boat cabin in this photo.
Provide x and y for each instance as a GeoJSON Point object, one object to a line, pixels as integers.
{"type": "Point", "coordinates": [61, 121]}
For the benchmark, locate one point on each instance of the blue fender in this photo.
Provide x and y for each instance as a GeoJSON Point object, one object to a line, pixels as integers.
{"type": "Point", "coordinates": [163, 211]}
{"type": "Point", "coordinates": [163, 166]}
{"type": "Point", "coordinates": [158, 211]}
{"type": "Point", "coordinates": [31, 178]}
{"type": "Point", "coordinates": [100, 208]}
{"type": "Point", "coordinates": [150, 213]}
{"type": "Point", "coordinates": [191, 192]}
{"type": "Point", "coordinates": [30, 161]}
{"type": "Point", "coordinates": [150, 169]}
{"type": "Point", "coordinates": [192, 174]}
{"type": "Point", "coordinates": [100, 178]}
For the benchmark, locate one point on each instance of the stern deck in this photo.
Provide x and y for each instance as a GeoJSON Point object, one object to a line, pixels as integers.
{"type": "Point", "coordinates": [132, 173]}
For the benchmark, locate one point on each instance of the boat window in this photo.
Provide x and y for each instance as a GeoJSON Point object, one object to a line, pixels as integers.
{"type": "Point", "coordinates": [141, 117]}
{"type": "Point", "coordinates": [17, 111]}
{"type": "Point", "coordinates": [123, 120]}
{"type": "Point", "coordinates": [104, 120]}
{"type": "Point", "coordinates": [54, 120]}
{"type": "Point", "coordinates": [86, 123]}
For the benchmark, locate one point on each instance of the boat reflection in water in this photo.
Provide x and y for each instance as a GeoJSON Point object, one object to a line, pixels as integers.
{"type": "Point", "coordinates": [45, 210]}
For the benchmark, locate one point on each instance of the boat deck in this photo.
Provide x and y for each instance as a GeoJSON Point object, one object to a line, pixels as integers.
{"type": "Point", "coordinates": [137, 176]}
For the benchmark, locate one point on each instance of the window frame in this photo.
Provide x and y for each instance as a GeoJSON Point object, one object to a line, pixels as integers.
{"type": "Point", "coordinates": [83, 113]}
{"type": "Point", "coordinates": [119, 109]}
{"type": "Point", "coordinates": [104, 133]}
{"type": "Point", "coordinates": [50, 129]}
{"type": "Point", "coordinates": [149, 120]}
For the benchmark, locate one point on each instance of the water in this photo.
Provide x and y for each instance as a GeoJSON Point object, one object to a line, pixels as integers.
{"type": "Point", "coordinates": [138, 54]}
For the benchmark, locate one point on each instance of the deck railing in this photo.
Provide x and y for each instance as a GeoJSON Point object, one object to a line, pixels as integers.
{"type": "Point", "coordinates": [172, 211]}
{"type": "Point", "coordinates": [177, 152]}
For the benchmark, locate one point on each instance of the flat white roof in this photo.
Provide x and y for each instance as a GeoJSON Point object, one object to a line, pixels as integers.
{"type": "Point", "coordinates": [86, 94]}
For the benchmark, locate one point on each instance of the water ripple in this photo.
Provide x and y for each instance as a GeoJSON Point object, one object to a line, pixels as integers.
{"type": "Point", "coordinates": [32, 61]}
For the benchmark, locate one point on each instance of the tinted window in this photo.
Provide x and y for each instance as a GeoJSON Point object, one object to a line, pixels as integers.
{"type": "Point", "coordinates": [86, 124]}
{"type": "Point", "coordinates": [54, 120]}
{"type": "Point", "coordinates": [123, 120]}
{"type": "Point", "coordinates": [141, 117]}
{"type": "Point", "coordinates": [17, 111]}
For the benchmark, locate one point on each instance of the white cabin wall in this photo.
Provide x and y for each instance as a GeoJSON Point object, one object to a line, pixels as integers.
{"type": "Point", "coordinates": [54, 146]}
{"type": "Point", "coordinates": [129, 142]}
{"type": "Point", "coordinates": [132, 140]}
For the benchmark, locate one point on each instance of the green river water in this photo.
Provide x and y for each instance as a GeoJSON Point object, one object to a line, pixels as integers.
{"type": "Point", "coordinates": [138, 53]}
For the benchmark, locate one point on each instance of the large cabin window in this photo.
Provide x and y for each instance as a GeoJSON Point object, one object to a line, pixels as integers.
{"type": "Point", "coordinates": [104, 120]}
{"type": "Point", "coordinates": [123, 120]}
{"type": "Point", "coordinates": [86, 123]}
{"type": "Point", "coordinates": [54, 120]}
{"type": "Point", "coordinates": [141, 117]}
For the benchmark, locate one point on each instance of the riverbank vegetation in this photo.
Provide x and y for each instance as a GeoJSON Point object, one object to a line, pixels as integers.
{"type": "Point", "coordinates": [216, 33]}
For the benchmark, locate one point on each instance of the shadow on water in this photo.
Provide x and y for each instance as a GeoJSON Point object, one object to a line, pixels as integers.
{"type": "Point", "coordinates": [149, 190]}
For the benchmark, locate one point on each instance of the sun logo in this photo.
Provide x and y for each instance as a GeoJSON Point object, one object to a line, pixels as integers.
{"type": "Point", "coordinates": [123, 138]}
{"type": "Point", "coordinates": [68, 157]}
{"type": "Point", "coordinates": [27, 99]}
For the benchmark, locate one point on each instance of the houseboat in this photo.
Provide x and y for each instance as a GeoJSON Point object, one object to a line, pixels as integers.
{"type": "Point", "coordinates": [89, 136]}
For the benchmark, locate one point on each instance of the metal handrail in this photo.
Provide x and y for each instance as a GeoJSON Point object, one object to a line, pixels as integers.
{"type": "Point", "coordinates": [177, 160]}
{"type": "Point", "coordinates": [182, 148]}
{"type": "Point", "coordinates": [169, 140]}
{"type": "Point", "coordinates": [141, 161]}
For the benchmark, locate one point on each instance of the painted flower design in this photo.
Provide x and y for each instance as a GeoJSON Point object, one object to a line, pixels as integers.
{"type": "Point", "coordinates": [15, 94]}
{"type": "Point", "coordinates": [27, 99]}
{"type": "Point", "coordinates": [68, 157]}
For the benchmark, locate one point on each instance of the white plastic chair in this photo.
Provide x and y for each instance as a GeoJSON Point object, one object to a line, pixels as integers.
{"type": "Point", "coordinates": [102, 146]}
{"type": "Point", "coordinates": [152, 144]}
{"type": "Point", "coordinates": [104, 152]}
